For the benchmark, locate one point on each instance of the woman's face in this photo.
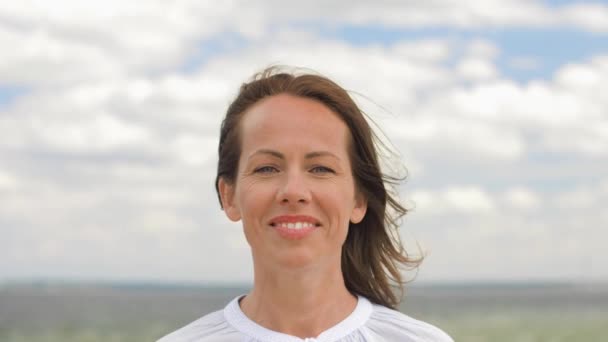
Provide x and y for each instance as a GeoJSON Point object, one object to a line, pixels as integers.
{"type": "Point", "coordinates": [294, 190]}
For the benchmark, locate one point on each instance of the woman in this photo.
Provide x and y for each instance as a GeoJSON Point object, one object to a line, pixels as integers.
{"type": "Point", "coordinates": [298, 166]}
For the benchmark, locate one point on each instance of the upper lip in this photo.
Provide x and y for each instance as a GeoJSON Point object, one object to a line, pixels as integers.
{"type": "Point", "coordinates": [294, 219]}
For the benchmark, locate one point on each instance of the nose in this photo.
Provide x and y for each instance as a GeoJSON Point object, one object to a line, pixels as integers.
{"type": "Point", "coordinates": [294, 189]}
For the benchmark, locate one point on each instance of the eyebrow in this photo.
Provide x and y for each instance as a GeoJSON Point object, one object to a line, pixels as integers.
{"type": "Point", "coordinates": [280, 155]}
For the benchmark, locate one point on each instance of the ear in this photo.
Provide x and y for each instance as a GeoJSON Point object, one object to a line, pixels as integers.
{"type": "Point", "coordinates": [360, 208]}
{"type": "Point", "coordinates": [228, 201]}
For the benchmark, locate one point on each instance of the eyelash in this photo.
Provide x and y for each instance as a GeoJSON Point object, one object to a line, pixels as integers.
{"type": "Point", "coordinates": [272, 169]}
{"type": "Point", "coordinates": [265, 169]}
{"type": "Point", "coordinates": [323, 168]}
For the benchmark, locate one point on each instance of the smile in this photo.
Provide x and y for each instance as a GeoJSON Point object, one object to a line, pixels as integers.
{"type": "Point", "coordinates": [294, 226]}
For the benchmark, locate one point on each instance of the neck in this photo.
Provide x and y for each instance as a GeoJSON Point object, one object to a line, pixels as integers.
{"type": "Point", "coordinates": [299, 303]}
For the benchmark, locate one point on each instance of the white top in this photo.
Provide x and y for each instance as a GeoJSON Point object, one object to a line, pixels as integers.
{"type": "Point", "coordinates": [368, 322]}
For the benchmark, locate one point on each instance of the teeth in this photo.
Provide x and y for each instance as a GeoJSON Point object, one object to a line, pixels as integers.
{"type": "Point", "coordinates": [296, 225]}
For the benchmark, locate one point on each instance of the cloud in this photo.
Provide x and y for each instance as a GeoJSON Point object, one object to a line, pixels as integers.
{"type": "Point", "coordinates": [169, 123]}
{"type": "Point", "coordinates": [476, 70]}
{"type": "Point", "coordinates": [110, 152]}
{"type": "Point", "coordinates": [71, 41]}
{"type": "Point", "coordinates": [192, 149]}
{"type": "Point", "coordinates": [579, 198]}
{"type": "Point", "coordinates": [569, 105]}
{"type": "Point", "coordinates": [425, 51]}
{"type": "Point", "coordinates": [434, 129]}
{"type": "Point", "coordinates": [528, 235]}
{"type": "Point", "coordinates": [469, 14]}
{"type": "Point", "coordinates": [473, 199]}
{"type": "Point", "coordinates": [482, 49]}
{"type": "Point", "coordinates": [7, 181]}
{"type": "Point", "coordinates": [522, 198]}
{"type": "Point", "coordinates": [40, 58]}
{"type": "Point", "coordinates": [80, 41]}
{"type": "Point", "coordinates": [589, 16]}
{"type": "Point", "coordinates": [103, 132]}
{"type": "Point", "coordinates": [458, 199]}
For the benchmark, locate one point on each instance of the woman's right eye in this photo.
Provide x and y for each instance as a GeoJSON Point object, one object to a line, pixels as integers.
{"type": "Point", "coordinates": [266, 169]}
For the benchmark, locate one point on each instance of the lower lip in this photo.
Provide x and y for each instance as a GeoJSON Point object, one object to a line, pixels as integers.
{"type": "Point", "coordinates": [294, 234]}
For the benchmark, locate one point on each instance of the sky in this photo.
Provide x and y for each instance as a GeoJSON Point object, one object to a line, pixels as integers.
{"type": "Point", "coordinates": [110, 114]}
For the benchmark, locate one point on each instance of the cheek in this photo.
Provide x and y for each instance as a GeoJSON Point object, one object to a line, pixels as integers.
{"type": "Point", "coordinates": [338, 204]}
{"type": "Point", "coordinates": [254, 199]}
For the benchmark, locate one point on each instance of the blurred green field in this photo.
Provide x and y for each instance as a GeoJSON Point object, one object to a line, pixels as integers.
{"type": "Point", "coordinates": [527, 328]}
{"type": "Point", "coordinates": [473, 314]}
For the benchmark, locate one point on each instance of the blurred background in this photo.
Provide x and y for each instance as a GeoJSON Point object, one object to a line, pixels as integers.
{"type": "Point", "coordinates": [109, 118]}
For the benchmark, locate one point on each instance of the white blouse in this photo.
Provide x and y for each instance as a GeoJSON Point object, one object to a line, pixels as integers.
{"type": "Point", "coordinates": [368, 322]}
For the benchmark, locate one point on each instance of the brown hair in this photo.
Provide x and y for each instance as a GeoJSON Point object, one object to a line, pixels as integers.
{"type": "Point", "coordinates": [372, 254]}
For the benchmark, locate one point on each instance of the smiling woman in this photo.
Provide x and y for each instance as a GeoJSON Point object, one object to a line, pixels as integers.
{"type": "Point", "coordinates": [299, 168]}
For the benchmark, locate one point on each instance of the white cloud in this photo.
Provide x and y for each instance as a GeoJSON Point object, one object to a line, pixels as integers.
{"type": "Point", "coordinates": [460, 14]}
{"type": "Point", "coordinates": [101, 133]}
{"type": "Point", "coordinates": [195, 150]}
{"type": "Point", "coordinates": [456, 199]}
{"type": "Point", "coordinates": [569, 106]}
{"type": "Point", "coordinates": [468, 199]}
{"type": "Point", "coordinates": [78, 41]}
{"type": "Point", "coordinates": [7, 181]}
{"type": "Point", "coordinates": [113, 145]}
{"type": "Point", "coordinates": [477, 62]}
{"type": "Point", "coordinates": [522, 198]}
{"type": "Point", "coordinates": [455, 14]}
{"type": "Point", "coordinates": [579, 198]}
{"type": "Point", "coordinates": [589, 16]}
{"type": "Point", "coordinates": [425, 51]}
{"type": "Point", "coordinates": [518, 240]}
{"type": "Point", "coordinates": [482, 49]}
{"type": "Point", "coordinates": [583, 79]}
{"type": "Point", "coordinates": [476, 70]}
{"type": "Point", "coordinates": [40, 58]}
{"type": "Point", "coordinates": [70, 41]}
{"type": "Point", "coordinates": [467, 138]}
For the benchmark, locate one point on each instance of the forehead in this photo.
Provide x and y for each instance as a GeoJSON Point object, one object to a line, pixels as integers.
{"type": "Point", "coordinates": [291, 121]}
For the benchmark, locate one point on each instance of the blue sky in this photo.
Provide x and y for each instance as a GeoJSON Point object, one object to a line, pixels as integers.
{"type": "Point", "coordinates": [8, 93]}
{"type": "Point", "coordinates": [551, 47]}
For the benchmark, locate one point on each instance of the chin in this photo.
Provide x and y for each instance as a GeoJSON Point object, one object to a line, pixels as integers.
{"type": "Point", "coordinates": [296, 259]}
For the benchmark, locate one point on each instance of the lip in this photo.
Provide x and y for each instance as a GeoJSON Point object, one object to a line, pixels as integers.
{"type": "Point", "coordinates": [294, 234]}
{"type": "Point", "coordinates": [294, 218]}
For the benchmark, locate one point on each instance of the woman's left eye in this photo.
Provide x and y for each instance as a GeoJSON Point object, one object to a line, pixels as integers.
{"type": "Point", "coordinates": [321, 169]}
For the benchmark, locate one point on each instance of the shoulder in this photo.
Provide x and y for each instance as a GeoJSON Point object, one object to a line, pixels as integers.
{"type": "Point", "coordinates": [211, 327]}
{"type": "Point", "coordinates": [393, 325]}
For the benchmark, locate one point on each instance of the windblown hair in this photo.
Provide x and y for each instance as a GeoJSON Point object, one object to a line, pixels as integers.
{"type": "Point", "coordinates": [372, 255]}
